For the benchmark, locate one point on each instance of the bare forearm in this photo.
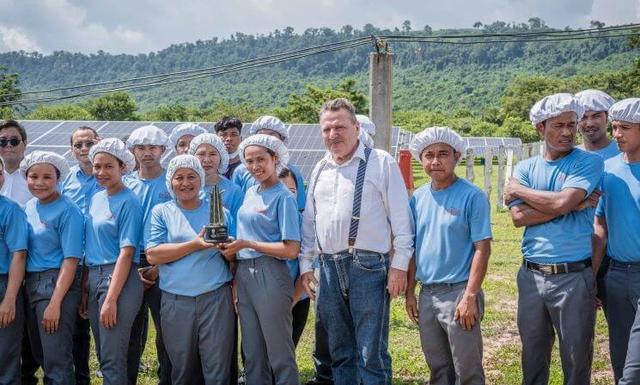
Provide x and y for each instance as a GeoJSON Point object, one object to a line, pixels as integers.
{"type": "Point", "coordinates": [479, 267]}
{"type": "Point", "coordinates": [525, 215]}
{"type": "Point", "coordinates": [169, 252]}
{"type": "Point", "coordinates": [285, 249]}
{"type": "Point", "coordinates": [65, 279]}
{"type": "Point", "coordinates": [599, 243]}
{"type": "Point", "coordinates": [549, 202]}
{"type": "Point", "coordinates": [411, 277]}
{"type": "Point", "coordinates": [120, 274]}
{"type": "Point", "coordinates": [16, 274]}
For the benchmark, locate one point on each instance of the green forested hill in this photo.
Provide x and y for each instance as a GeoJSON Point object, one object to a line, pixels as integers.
{"type": "Point", "coordinates": [427, 76]}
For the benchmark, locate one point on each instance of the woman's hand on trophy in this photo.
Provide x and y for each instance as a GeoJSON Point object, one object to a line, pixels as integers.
{"type": "Point", "coordinates": [201, 244]}
{"type": "Point", "coordinates": [229, 249]}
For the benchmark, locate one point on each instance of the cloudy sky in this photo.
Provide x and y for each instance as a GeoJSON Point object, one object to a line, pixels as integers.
{"type": "Point", "coordinates": [140, 26]}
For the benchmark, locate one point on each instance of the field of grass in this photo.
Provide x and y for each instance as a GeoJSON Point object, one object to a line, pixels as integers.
{"type": "Point", "coordinates": [501, 341]}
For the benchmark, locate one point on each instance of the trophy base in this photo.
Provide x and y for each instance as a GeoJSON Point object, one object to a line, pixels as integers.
{"type": "Point", "coordinates": [216, 234]}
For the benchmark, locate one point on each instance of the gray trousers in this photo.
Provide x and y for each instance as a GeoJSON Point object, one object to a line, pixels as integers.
{"type": "Point", "coordinates": [454, 355]}
{"type": "Point", "coordinates": [114, 343]}
{"type": "Point", "coordinates": [11, 340]}
{"type": "Point", "coordinates": [198, 333]}
{"type": "Point", "coordinates": [57, 348]}
{"type": "Point", "coordinates": [562, 304]}
{"type": "Point", "coordinates": [623, 295]}
{"type": "Point", "coordinates": [265, 292]}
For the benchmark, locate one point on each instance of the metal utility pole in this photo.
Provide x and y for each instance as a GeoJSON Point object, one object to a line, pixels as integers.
{"type": "Point", "coordinates": [380, 92]}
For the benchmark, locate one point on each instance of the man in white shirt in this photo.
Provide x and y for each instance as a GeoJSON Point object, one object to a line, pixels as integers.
{"type": "Point", "coordinates": [356, 200]}
{"type": "Point", "coordinates": [13, 143]}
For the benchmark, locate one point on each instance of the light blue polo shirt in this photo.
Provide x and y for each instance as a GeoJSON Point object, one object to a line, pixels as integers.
{"type": "Point", "coordinates": [150, 192]}
{"type": "Point", "coordinates": [232, 195]}
{"type": "Point", "coordinates": [56, 232]}
{"type": "Point", "coordinates": [267, 216]}
{"type": "Point", "coordinates": [113, 222]}
{"type": "Point", "coordinates": [607, 152]}
{"type": "Point", "coordinates": [566, 238]}
{"type": "Point", "coordinates": [199, 272]}
{"type": "Point", "coordinates": [80, 187]}
{"type": "Point", "coordinates": [14, 232]}
{"type": "Point", "coordinates": [620, 205]}
{"type": "Point", "coordinates": [447, 224]}
{"type": "Point", "coordinates": [243, 178]}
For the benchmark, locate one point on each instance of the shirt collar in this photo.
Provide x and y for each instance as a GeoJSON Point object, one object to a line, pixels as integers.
{"type": "Point", "coordinates": [359, 154]}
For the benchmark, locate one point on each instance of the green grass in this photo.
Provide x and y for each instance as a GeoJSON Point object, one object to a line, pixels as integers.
{"type": "Point", "coordinates": [501, 341]}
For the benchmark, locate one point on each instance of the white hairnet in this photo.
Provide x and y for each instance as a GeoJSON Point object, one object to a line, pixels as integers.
{"type": "Point", "coordinates": [267, 141]}
{"type": "Point", "coordinates": [147, 135]}
{"type": "Point", "coordinates": [554, 105]}
{"type": "Point", "coordinates": [627, 110]}
{"type": "Point", "coordinates": [270, 123]}
{"type": "Point", "coordinates": [183, 161]}
{"type": "Point", "coordinates": [595, 100]}
{"type": "Point", "coordinates": [117, 148]}
{"type": "Point", "coordinates": [216, 142]}
{"type": "Point", "coordinates": [433, 135]}
{"type": "Point", "coordinates": [366, 140]}
{"type": "Point", "coordinates": [48, 157]}
{"type": "Point", "coordinates": [366, 124]}
{"type": "Point", "coordinates": [185, 129]}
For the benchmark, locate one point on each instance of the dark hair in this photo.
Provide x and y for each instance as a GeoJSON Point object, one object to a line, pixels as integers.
{"type": "Point", "coordinates": [228, 122]}
{"type": "Point", "coordinates": [12, 123]}
{"type": "Point", "coordinates": [286, 173]}
{"type": "Point", "coordinates": [82, 128]}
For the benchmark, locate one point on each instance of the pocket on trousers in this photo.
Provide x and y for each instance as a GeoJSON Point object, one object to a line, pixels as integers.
{"type": "Point", "coordinates": [371, 262]}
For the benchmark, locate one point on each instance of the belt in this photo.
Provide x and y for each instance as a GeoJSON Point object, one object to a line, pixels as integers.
{"type": "Point", "coordinates": [626, 265]}
{"type": "Point", "coordinates": [558, 268]}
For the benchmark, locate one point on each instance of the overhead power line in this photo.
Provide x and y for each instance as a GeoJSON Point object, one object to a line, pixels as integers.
{"type": "Point", "coordinates": [189, 75]}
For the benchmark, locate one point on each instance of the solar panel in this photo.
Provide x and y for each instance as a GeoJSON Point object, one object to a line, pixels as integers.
{"type": "Point", "coordinates": [305, 140]}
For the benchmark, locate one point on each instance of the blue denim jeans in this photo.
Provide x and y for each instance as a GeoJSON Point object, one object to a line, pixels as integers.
{"type": "Point", "coordinates": [354, 306]}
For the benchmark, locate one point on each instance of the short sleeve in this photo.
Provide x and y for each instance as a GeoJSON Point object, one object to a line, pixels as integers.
{"type": "Point", "coordinates": [288, 218]}
{"type": "Point", "coordinates": [521, 173]}
{"type": "Point", "coordinates": [130, 224]}
{"type": "Point", "coordinates": [480, 218]}
{"type": "Point", "coordinates": [72, 232]}
{"type": "Point", "coordinates": [585, 174]}
{"type": "Point", "coordinates": [16, 230]}
{"type": "Point", "coordinates": [158, 233]}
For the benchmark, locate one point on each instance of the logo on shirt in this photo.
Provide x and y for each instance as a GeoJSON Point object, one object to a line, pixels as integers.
{"type": "Point", "coordinates": [452, 211]}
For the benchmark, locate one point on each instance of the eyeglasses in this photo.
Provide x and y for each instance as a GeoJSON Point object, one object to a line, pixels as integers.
{"type": "Point", "coordinates": [79, 145]}
{"type": "Point", "coordinates": [4, 142]}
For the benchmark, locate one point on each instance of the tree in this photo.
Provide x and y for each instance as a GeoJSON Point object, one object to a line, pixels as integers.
{"type": "Point", "coordinates": [60, 112]}
{"type": "Point", "coordinates": [113, 106]}
{"type": "Point", "coordinates": [523, 92]}
{"type": "Point", "coordinates": [9, 92]}
{"type": "Point", "coordinates": [169, 113]}
{"type": "Point", "coordinates": [477, 25]}
{"type": "Point", "coordinates": [427, 29]}
{"type": "Point", "coordinates": [406, 26]}
{"type": "Point", "coordinates": [304, 108]}
{"type": "Point", "coordinates": [535, 23]}
{"type": "Point", "coordinates": [596, 24]}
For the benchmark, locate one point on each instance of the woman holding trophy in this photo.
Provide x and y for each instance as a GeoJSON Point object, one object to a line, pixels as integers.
{"type": "Point", "coordinates": [214, 159]}
{"type": "Point", "coordinates": [197, 312]}
{"type": "Point", "coordinates": [268, 234]}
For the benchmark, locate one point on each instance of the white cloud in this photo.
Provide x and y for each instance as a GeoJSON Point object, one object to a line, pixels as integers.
{"type": "Point", "coordinates": [144, 25]}
{"type": "Point", "coordinates": [14, 40]}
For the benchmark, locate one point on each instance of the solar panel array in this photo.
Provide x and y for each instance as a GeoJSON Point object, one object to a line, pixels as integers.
{"type": "Point", "coordinates": [481, 145]}
{"type": "Point", "coordinates": [305, 142]}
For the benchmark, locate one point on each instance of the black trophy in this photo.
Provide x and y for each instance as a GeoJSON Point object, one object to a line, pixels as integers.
{"type": "Point", "coordinates": [216, 231]}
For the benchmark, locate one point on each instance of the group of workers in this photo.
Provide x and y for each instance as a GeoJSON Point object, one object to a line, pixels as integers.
{"type": "Point", "coordinates": [98, 246]}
